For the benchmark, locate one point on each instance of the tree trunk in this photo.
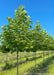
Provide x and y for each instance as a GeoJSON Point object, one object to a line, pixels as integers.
{"type": "Point", "coordinates": [26, 56]}
{"type": "Point", "coordinates": [6, 61]}
{"type": "Point", "coordinates": [20, 57]}
{"type": "Point", "coordinates": [33, 55]}
{"type": "Point", "coordinates": [43, 56]}
{"type": "Point", "coordinates": [48, 54]}
{"type": "Point", "coordinates": [35, 59]}
{"type": "Point", "coordinates": [17, 62]}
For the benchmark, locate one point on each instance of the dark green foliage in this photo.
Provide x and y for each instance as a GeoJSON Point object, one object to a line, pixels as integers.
{"type": "Point", "coordinates": [3, 49]}
{"type": "Point", "coordinates": [8, 66]}
{"type": "Point", "coordinates": [27, 59]}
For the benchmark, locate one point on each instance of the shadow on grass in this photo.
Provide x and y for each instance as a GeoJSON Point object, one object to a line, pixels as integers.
{"type": "Point", "coordinates": [41, 68]}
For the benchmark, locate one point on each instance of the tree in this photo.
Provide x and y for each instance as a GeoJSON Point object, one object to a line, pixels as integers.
{"type": "Point", "coordinates": [43, 41]}
{"type": "Point", "coordinates": [51, 43]}
{"type": "Point", "coordinates": [47, 43]}
{"type": "Point", "coordinates": [36, 38]}
{"type": "Point", "coordinates": [14, 34]}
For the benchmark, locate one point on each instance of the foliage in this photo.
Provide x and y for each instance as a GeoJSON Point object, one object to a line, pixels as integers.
{"type": "Point", "coordinates": [14, 34]}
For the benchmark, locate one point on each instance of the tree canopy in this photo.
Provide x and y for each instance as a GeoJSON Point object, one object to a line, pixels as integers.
{"type": "Point", "coordinates": [18, 35]}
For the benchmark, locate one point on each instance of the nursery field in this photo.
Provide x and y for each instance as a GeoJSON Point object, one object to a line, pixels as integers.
{"type": "Point", "coordinates": [44, 68]}
{"type": "Point", "coordinates": [11, 59]}
{"type": "Point", "coordinates": [25, 48]}
{"type": "Point", "coordinates": [27, 64]}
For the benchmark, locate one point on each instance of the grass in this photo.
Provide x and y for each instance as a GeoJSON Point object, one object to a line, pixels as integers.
{"type": "Point", "coordinates": [51, 68]}
{"type": "Point", "coordinates": [13, 62]}
{"type": "Point", "coordinates": [23, 59]}
{"type": "Point", "coordinates": [42, 67]}
{"type": "Point", "coordinates": [25, 67]}
{"type": "Point", "coordinates": [14, 55]}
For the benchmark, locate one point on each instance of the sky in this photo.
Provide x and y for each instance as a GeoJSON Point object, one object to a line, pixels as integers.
{"type": "Point", "coordinates": [39, 10]}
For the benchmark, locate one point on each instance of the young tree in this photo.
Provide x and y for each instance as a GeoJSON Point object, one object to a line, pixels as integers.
{"type": "Point", "coordinates": [14, 34]}
{"type": "Point", "coordinates": [36, 38]}
{"type": "Point", "coordinates": [47, 43]}
{"type": "Point", "coordinates": [51, 43]}
{"type": "Point", "coordinates": [42, 41]}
